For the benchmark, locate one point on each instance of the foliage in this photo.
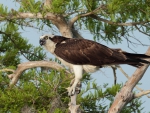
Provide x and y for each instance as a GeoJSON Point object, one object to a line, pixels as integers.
{"type": "Point", "coordinates": [43, 91]}
{"type": "Point", "coordinates": [46, 92]}
{"type": "Point", "coordinates": [34, 89]}
{"type": "Point", "coordinates": [113, 11]}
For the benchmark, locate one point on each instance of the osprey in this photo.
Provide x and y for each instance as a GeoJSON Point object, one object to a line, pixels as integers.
{"type": "Point", "coordinates": [86, 55]}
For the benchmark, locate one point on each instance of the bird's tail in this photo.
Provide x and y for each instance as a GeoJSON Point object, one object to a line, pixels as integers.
{"type": "Point", "coordinates": [137, 60]}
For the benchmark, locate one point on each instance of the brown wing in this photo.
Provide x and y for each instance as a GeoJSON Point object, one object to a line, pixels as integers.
{"type": "Point", "coordinates": [81, 51]}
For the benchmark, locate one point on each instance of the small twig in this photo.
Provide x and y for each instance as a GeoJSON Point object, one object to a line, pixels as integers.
{"type": "Point", "coordinates": [128, 41]}
{"type": "Point", "coordinates": [134, 43]}
{"type": "Point", "coordinates": [141, 31]}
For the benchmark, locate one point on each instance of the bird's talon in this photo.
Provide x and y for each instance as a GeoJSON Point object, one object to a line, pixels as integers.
{"type": "Point", "coordinates": [71, 91]}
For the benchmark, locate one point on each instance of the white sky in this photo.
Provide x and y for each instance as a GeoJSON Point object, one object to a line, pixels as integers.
{"type": "Point", "coordinates": [106, 76]}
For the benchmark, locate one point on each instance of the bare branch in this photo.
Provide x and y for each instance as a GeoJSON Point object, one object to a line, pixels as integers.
{"type": "Point", "coordinates": [129, 78]}
{"type": "Point", "coordinates": [24, 66]}
{"type": "Point", "coordinates": [7, 70]}
{"type": "Point", "coordinates": [29, 15]}
{"type": "Point", "coordinates": [125, 95]}
{"type": "Point", "coordinates": [72, 105]}
{"type": "Point", "coordinates": [141, 31]}
{"type": "Point", "coordinates": [57, 20]}
{"type": "Point", "coordinates": [142, 93]}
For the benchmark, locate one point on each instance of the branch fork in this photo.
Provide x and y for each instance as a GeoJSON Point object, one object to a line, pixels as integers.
{"type": "Point", "coordinates": [125, 95]}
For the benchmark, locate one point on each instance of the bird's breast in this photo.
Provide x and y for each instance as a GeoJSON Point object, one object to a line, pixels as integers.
{"type": "Point", "coordinates": [64, 62]}
{"type": "Point", "coordinates": [50, 46]}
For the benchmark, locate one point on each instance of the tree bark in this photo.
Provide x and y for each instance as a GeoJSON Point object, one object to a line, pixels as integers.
{"type": "Point", "coordinates": [32, 64]}
{"type": "Point", "coordinates": [125, 95]}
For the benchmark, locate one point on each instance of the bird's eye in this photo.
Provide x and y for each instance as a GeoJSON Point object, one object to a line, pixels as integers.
{"type": "Point", "coordinates": [46, 37]}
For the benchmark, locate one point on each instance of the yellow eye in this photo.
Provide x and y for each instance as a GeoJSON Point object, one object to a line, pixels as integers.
{"type": "Point", "coordinates": [46, 37]}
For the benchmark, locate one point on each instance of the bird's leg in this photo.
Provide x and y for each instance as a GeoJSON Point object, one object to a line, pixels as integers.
{"type": "Point", "coordinates": [78, 75]}
{"type": "Point", "coordinates": [78, 87]}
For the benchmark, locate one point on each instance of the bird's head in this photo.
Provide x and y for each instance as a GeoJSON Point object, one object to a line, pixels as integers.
{"type": "Point", "coordinates": [45, 39]}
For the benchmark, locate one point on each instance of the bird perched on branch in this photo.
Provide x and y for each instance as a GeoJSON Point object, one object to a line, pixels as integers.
{"type": "Point", "coordinates": [86, 55]}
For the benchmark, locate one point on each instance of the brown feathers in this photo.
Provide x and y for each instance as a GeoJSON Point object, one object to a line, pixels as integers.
{"type": "Point", "coordinates": [82, 51]}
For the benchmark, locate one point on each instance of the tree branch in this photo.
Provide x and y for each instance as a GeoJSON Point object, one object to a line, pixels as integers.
{"type": "Point", "coordinates": [138, 88]}
{"type": "Point", "coordinates": [24, 66]}
{"type": "Point", "coordinates": [72, 105]}
{"type": "Point", "coordinates": [118, 24]}
{"type": "Point", "coordinates": [73, 20]}
{"type": "Point", "coordinates": [47, 3]}
{"type": "Point", "coordinates": [141, 94]}
{"type": "Point", "coordinates": [125, 95]}
{"type": "Point", "coordinates": [57, 20]}
{"type": "Point", "coordinates": [92, 15]}
{"type": "Point", "coordinates": [7, 70]}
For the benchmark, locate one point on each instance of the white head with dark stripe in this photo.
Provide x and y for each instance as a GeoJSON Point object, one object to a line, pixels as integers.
{"type": "Point", "coordinates": [44, 38]}
{"type": "Point", "coordinates": [46, 41]}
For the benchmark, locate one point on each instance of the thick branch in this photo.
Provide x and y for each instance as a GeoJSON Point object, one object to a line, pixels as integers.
{"type": "Point", "coordinates": [24, 66]}
{"type": "Point", "coordinates": [129, 78]}
{"type": "Point", "coordinates": [125, 95]}
{"type": "Point", "coordinates": [57, 20]}
{"type": "Point", "coordinates": [28, 15]}
{"type": "Point", "coordinates": [72, 105]}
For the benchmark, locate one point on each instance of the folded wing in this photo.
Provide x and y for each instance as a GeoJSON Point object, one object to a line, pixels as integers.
{"type": "Point", "coordinates": [80, 51]}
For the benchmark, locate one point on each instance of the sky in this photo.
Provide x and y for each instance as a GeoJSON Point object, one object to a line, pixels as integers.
{"type": "Point", "coordinates": [104, 75]}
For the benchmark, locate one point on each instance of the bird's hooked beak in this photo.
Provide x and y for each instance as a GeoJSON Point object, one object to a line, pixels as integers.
{"type": "Point", "coordinates": [42, 42]}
